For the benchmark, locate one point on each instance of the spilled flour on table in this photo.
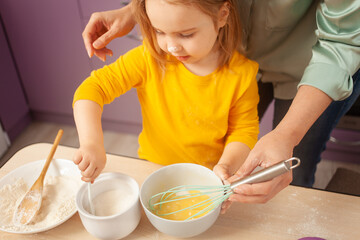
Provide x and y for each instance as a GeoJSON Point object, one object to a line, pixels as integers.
{"type": "Point", "coordinates": [58, 202]}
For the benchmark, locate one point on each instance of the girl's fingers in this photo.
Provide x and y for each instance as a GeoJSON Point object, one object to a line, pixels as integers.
{"type": "Point", "coordinates": [225, 206]}
{"type": "Point", "coordinates": [96, 173]}
{"type": "Point", "coordinates": [89, 170]}
{"type": "Point", "coordinates": [85, 179]}
{"type": "Point", "coordinates": [77, 158]}
{"type": "Point", "coordinates": [221, 172]}
{"type": "Point", "coordinates": [92, 178]}
{"type": "Point", "coordinates": [83, 165]}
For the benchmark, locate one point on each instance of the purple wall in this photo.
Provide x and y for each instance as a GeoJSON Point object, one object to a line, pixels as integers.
{"type": "Point", "coordinates": [14, 111]}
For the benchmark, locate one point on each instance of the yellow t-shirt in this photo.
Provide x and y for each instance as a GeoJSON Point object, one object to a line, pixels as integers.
{"type": "Point", "coordinates": [186, 118]}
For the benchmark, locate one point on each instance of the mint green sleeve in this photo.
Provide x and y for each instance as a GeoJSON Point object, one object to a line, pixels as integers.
{"type": "Point", "coordinates": [336, 54]}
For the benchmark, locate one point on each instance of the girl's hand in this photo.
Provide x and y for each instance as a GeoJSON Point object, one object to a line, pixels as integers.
{"type": "Point", "coordinates": [230, 161]}
{"type": "Point", "coordinates": [91, 160]}
{"type": "Point", "coordinates": [223, 172]}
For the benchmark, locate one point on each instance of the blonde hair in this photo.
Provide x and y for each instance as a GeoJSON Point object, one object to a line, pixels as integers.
{"type": "Point", "coordinates": [228, 38]}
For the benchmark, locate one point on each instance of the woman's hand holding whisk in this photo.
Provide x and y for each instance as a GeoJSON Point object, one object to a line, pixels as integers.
{"type": "Point", "coordinates": [269, 150]}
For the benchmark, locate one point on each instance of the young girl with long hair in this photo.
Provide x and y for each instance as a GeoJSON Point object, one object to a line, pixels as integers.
{"type": "Point", "coordinates": [198, 94]}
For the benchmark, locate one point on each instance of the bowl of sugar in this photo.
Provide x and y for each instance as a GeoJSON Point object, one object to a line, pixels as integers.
{"type": "Point", "coordinates": [115, 200]}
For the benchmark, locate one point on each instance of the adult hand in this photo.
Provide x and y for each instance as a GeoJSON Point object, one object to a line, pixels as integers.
{"type": "Point", "coordinates": [105, 26]}
{"type": "Point", "coordinates": [269, 150]}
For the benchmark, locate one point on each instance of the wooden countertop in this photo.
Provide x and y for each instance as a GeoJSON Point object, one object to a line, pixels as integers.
{"type": "Point", "coordinates": [294, 213]}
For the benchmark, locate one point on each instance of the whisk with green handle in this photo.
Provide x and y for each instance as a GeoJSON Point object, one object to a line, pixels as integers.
{"type": "Point", "coordinates": [217, 194]}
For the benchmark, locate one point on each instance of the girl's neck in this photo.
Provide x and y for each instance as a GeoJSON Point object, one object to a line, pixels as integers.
{"type": "Point", "coordinates": [206, 65]}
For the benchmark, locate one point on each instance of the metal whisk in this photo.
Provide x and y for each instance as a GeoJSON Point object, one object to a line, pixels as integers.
{"type": "Point", "coordinates": [217, 194]}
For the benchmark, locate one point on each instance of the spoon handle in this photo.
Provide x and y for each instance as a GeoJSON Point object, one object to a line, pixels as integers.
{"type": "Point", "coordinates": [51, 154]}
{"type": "Point", "coordinates": [92, 209]}
{"type": "Point", "coordinates": [31, 202]}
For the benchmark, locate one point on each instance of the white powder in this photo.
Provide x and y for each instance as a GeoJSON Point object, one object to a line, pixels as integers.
{"type": "Point", "coordinates": [58, 202]}
{"type": "Point", "coordinates": [112, 202]}
{"type": "Point", "coordinates": [29, 205]}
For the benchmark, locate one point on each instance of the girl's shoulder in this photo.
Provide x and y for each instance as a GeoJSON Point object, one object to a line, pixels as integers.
{"type": "Point", "coordinates": [241, 68]}
{"type": "Point", "coordinates": [239, 62]}
{"type": "Point", "coordinates": [139, 57]}
{"type": "Point", "coordinates": [139, 51]}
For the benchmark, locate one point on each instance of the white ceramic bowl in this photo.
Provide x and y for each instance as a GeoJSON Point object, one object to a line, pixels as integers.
{"type": "Point", "coordinates": [114, 226]}
{"type": "Point", "coordinates": [172, 176]}
{"type": "Point", "coordinates": [30, 172]}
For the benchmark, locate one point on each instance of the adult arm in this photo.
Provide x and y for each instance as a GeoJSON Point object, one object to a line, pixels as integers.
{"type": "Point", "coordinates": [335, 59]}
{"type": "Point", "coordinates": [336, 55]}
{"type": "Point", "coordinates": [279, 144]}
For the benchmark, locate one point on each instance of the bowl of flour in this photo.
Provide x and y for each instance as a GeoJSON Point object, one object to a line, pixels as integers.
{"type": "Point", "coordinates": [117, 210]}
{"type": "Point", "coordinates": [61, 184]}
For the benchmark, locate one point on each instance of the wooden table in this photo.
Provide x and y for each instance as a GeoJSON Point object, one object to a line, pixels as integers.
{"type": "Point", "coordinates": [294, 213]}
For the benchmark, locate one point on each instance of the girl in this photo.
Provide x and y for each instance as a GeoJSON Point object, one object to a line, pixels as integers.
{"type": "Point", "coordinates": [198, 95]}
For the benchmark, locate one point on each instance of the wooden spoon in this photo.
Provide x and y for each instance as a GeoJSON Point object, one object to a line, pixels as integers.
{"type": "Point", "coordinates": [30, 204]}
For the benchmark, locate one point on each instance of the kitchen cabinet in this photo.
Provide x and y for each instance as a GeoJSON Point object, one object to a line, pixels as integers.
{"type": "Point", "coordinates": [343, 146]}
{"type": "Point", "coordinates": [46, 42]}
{"type": "Point", "coordinates": [48, 49]}
{"type": "Point", "coordinates": [14, 111]}
{"type": "Point", "coordinates": [88, 7]}
{"type": "Point", "coordinates": [125, 109]}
